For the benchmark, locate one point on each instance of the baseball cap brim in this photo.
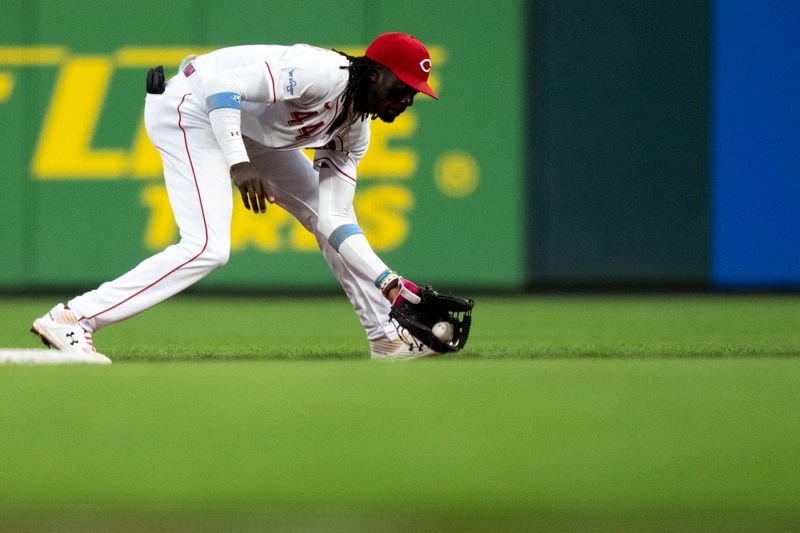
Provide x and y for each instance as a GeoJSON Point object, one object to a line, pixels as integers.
{"type": "Point", "coordinates": [419, 85]}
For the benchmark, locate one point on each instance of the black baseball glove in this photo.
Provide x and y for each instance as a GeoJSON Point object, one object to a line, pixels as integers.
{"type": "Point", "coordinates": [419, 318]}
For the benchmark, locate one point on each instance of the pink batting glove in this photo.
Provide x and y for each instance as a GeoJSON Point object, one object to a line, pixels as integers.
{"type": "Point", "coordinates": [409, 292]}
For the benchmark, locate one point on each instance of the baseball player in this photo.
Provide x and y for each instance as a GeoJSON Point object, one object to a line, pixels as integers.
{"type": "Point", "coordinates": [243, 114]}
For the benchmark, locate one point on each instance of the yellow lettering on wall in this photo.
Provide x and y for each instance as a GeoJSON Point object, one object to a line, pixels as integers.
{"type": "Point", "coordinates": [6, 85]}
{"type": "Point", "coordinates": [263, 232]}
{"type": "Point", "coordinates": [382, 211]}
{"type": "Point", "coordinates": [147, 56]}
{"type": "Point", "coordinates": [145, 162]}
{"type": "Point", "coordinates": [383, 160]}
{"type": "Point", "coordinates": [32, 55]}
{"type": "Point", "coordinates": [301, 239]}
{"type": "Point", "coordinates": [65, 144]}
{"type": "Point", "coordinates": [268, 232]}
{"type": "Point", "coordinates": [383, 215]}
{"type": "Point", "coordinates": [65, 150]}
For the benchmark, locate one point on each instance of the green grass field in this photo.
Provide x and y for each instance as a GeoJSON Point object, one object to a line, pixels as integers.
{"type": "Point", "coordinates": [564, 413]}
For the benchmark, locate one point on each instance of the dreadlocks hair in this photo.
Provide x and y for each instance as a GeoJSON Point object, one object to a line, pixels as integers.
{"type": "Point", "coordinates": [360, 68]}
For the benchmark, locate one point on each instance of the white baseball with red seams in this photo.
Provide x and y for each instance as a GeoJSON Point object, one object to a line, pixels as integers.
{"type": "Point", "coordinates": [444, 331]}
{"type": "Point", "coordinates": [289, 99]}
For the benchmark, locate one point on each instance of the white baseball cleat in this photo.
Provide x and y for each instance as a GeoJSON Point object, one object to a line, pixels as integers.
{"type": "Point", "coordinates": [402, 348]}
{"type": "Point", "coordinates": [60, 329]}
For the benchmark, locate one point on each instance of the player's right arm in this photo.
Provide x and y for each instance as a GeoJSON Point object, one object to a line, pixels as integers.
{"type": "Point", "coordinates": [225, 92]}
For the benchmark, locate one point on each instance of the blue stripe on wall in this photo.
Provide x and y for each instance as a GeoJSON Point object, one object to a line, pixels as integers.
{"type": "Point", "coordinates": [756, 144]}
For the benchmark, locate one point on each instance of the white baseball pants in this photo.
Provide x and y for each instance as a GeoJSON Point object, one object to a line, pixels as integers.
{"type": "Point", "coordinates": [199, 190]}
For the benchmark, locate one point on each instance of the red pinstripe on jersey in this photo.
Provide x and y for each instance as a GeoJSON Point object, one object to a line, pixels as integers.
{"type": "Point", "coordinates": [272, 83]}
{"type": "Point", "coordinates": [202, 213]}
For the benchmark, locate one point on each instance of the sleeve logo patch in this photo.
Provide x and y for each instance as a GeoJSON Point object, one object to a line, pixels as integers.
{"type": "Point", "coordinates": [292, 83]}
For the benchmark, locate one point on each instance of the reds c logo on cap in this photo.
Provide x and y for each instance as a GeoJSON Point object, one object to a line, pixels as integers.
{"type": "Point", "coordinates": [406, 57]}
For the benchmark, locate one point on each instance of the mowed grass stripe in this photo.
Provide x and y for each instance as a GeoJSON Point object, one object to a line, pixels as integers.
{"type": "Point", "coordinates": [592, 439]}
{"type": "Point", "coordinates": [218, 328]}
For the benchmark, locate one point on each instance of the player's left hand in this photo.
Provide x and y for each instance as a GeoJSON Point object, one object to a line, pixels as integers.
{"type": "Point", "coordinates": [254, 190]}
{"type": "Point", "coordinates": [420, 309]}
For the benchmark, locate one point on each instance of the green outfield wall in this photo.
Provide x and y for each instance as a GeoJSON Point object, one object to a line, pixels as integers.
{"type": "Point", "coordinates": [577, 143]}
{"type": "Point", "coordinates": [440, 194]}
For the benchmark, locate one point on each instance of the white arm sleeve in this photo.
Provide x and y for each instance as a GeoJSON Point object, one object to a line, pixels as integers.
{"type": "Point", "coordinates": [226, 123]}
{"type": "Point", "coordinates": [225, 93]}
{"type": "Point", "coordinates": [337, 219]}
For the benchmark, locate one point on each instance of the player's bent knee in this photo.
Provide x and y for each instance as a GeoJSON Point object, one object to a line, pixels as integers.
{"type": "Point", "coordinates": [208, 255]}
{"type": "Point", "coordinates": [217, 257]}
{"type": "Point", "coordinates": [214, 255]}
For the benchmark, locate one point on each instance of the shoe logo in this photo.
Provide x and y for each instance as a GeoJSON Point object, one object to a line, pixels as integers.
{"type": "Point", "coordinates": [72, 340]}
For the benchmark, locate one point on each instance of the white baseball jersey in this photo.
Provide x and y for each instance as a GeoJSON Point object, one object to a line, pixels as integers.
{"type": "Point", "coordinates": [283, 97]}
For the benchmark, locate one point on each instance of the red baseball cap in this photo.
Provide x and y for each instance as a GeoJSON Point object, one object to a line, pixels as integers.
{"type": "Point", "coordinates": [406, 57]}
